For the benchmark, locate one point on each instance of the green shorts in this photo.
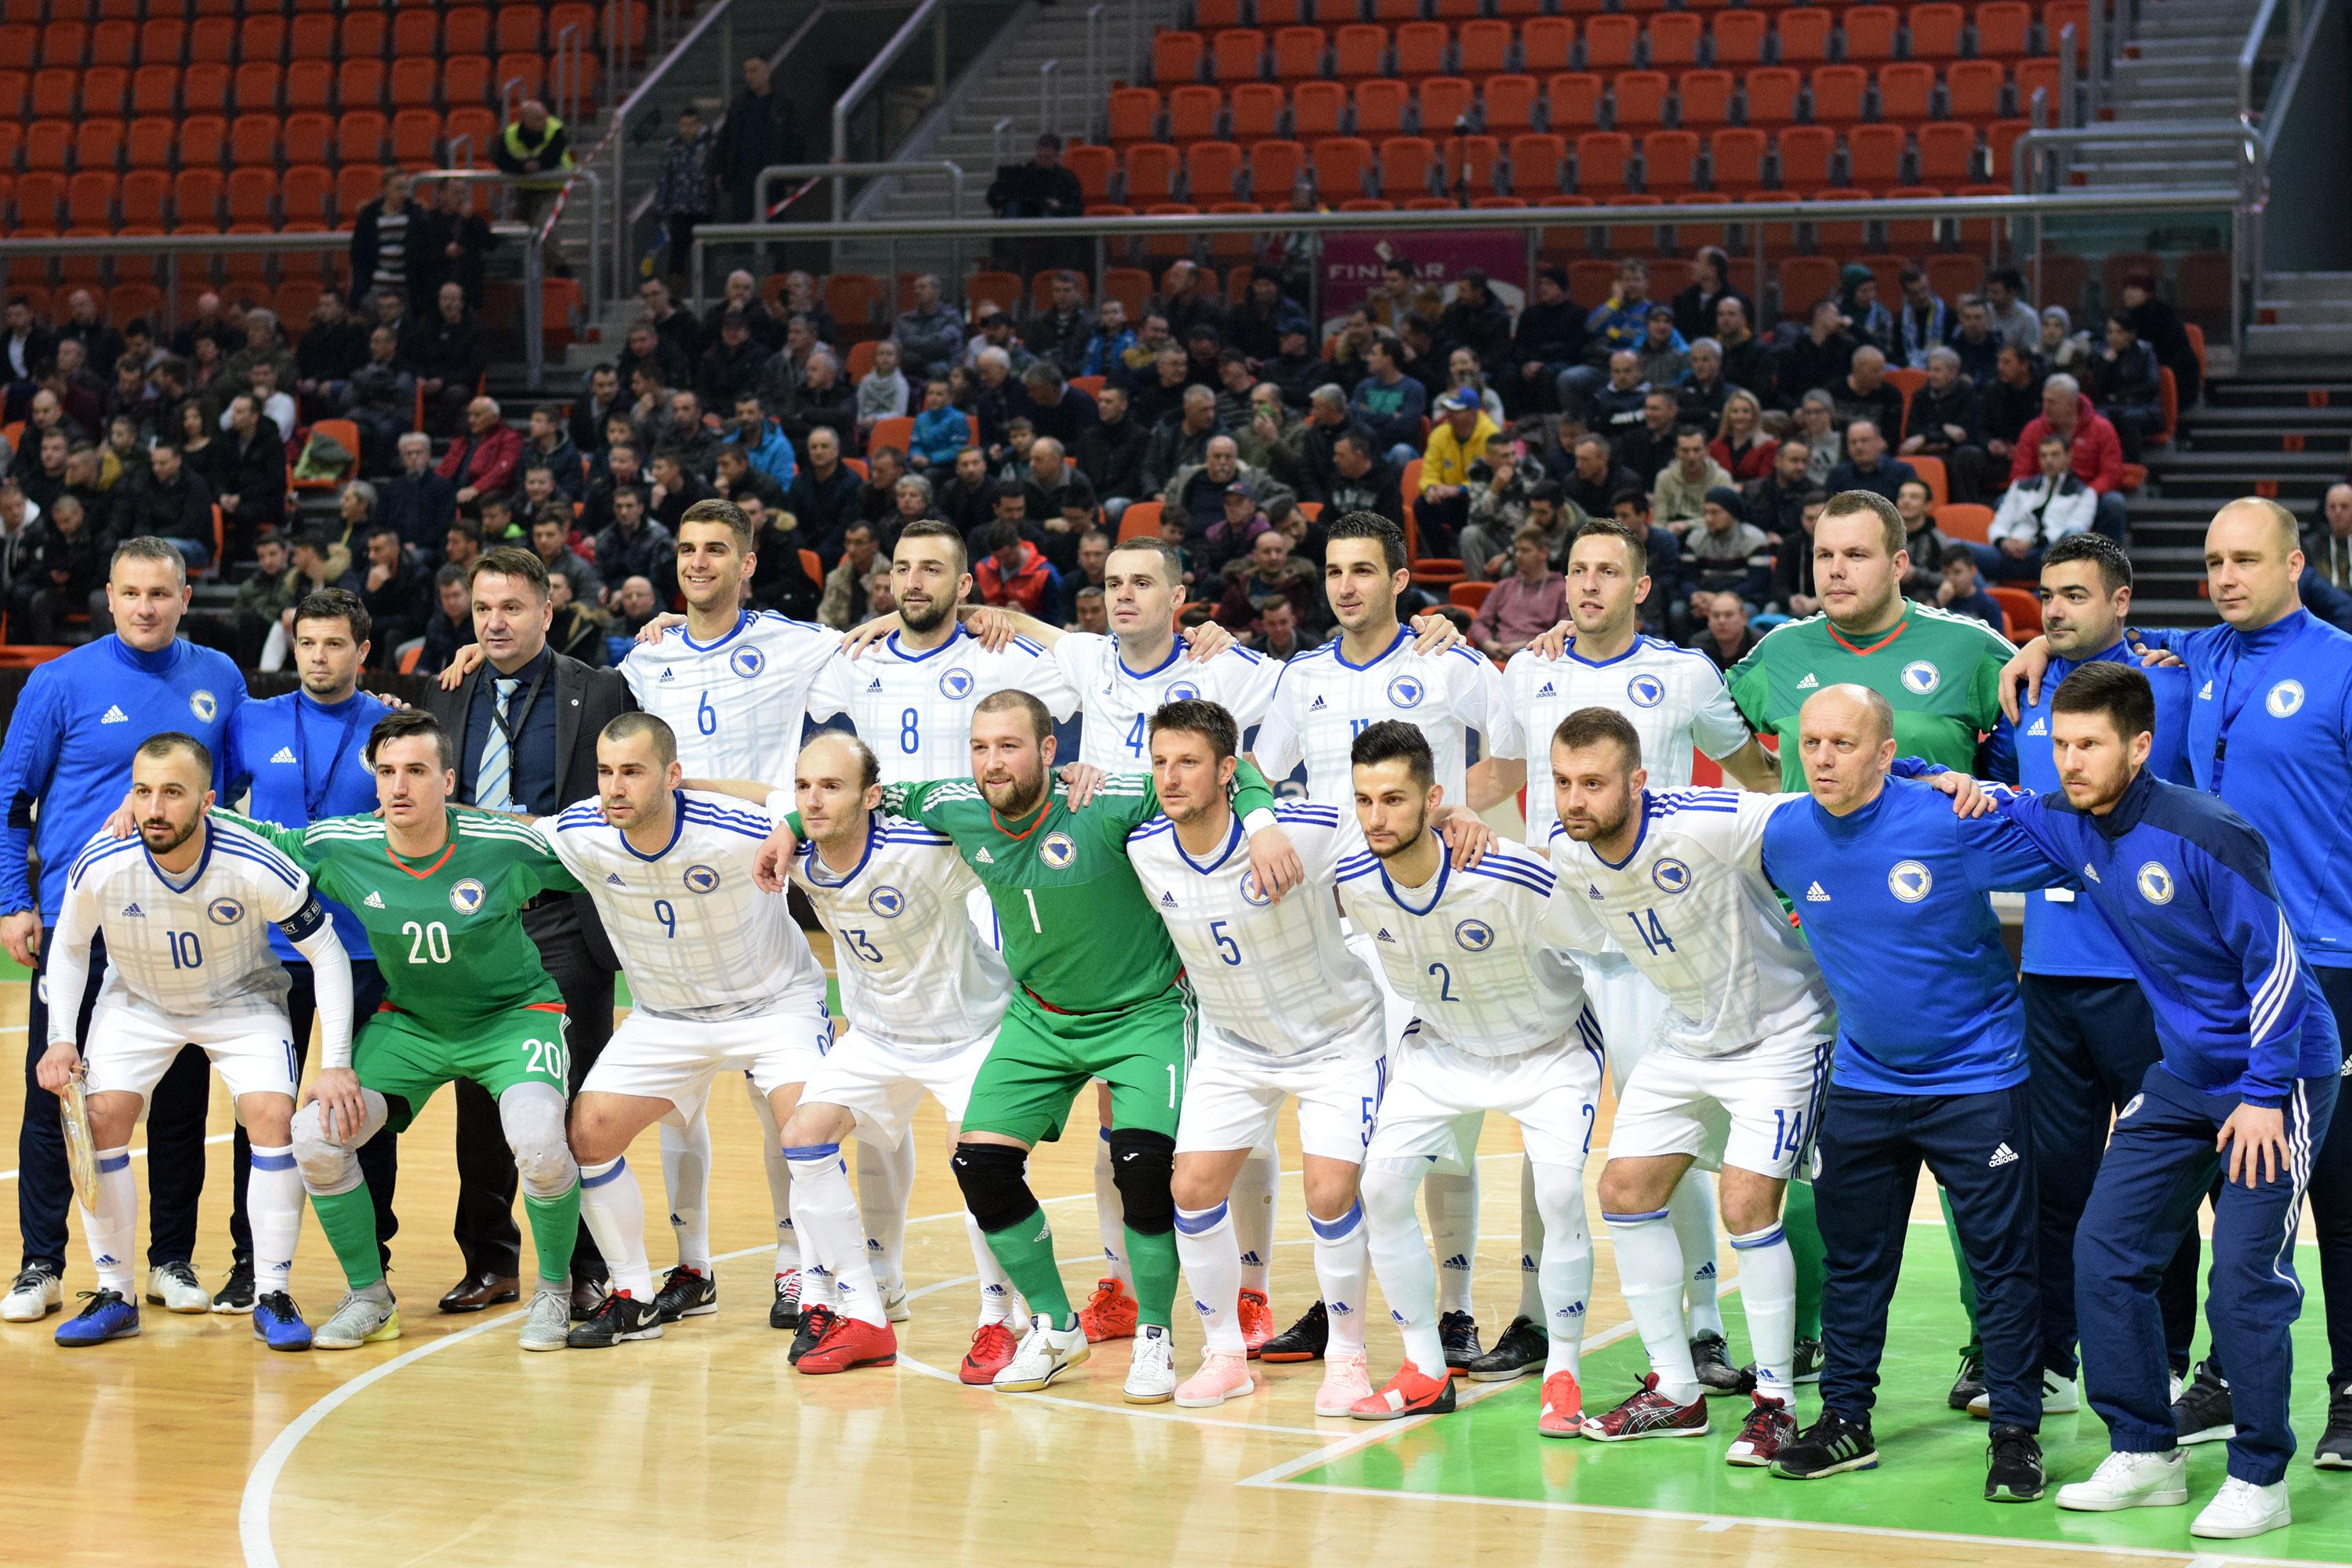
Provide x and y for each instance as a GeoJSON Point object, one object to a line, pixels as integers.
{"type": "Point", "coordinates": [1042, 1059]}
{"type": "Point", "coordinates": [400, 1059]}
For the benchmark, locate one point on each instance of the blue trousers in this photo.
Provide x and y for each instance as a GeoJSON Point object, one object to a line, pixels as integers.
{"type": "Point", "coordinates": [1980, 1149]}
{"type": "Point", "coordinates": [2159, 1164]}
{"type": "Point", "coordinates": [2331, 1198]}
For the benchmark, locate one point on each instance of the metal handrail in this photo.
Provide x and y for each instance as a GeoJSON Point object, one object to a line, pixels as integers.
{"type": "Point", "coordinates": [933, 12]}
{"type": "Point", "coordinates": [999, 143]}
{"type": "Point", "coordinates": [764, 233]}
{"type": "Point", "coordinates": [2249, 53]}
{"type": "Point", "coordinates": [1094, 89]}
{"type": "Point", "coordinates": [2031, 142]}
{"type": "Point", "coordinates": [1049, 97]}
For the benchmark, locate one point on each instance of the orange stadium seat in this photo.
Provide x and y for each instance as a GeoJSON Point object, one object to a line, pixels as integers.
{"type": "Point", "coordinates": [1359, 50]}
{"type": "Point", "coordinates": [39, 198]}
{"type": "Point", "coordinates": [518, 30]}
{"type": "Point", "coordinates": [417, 31]}
{"type": "Point", "coordinates": [305, 193]}
{"type": "Point", "coordinates": [1094, 167]}
{"type": "Point", "coordinates": [1508, 103]}
{"type": "Point", "coordinates": [1298, 53]}
{"type": "Point", "coordinates": [309, 84]}
{"type": "Point", "coordinates": [251, 194]}
{"type": "Point", "coordinates": [1150, 173]}
{"type": "Point", "coordinates": [1740, 36]}
{"type": "Point", "coordinates": [48, 144]}
{"type": "Point", "coordinates": [1957, 275]}
{"type": "Point", "coordinates": [420, 84]}
{"type": "Point", "coordinates": [2005, 30]}
{"type": "Point", "coordinates": [1935, 31]}
{"type": "Point", "coordinates": [196, 197]}
{"type": "Point", "coordinates": [212, 40]}
{"type": "Point", "coordinates": [416, 136]}
{"type": "Point", "coordinates": [1318, 109]}
{"type": "Point", "coordinates": [311, 36]}
{"type": "Point", "coordinates": [2032, 76]}
{"type": "Point", "coordinates": [359, 137]}
{"type": "Point", "coordinates": [1134, 113]}
{"type": "Point", "coordinates": [204, 140]}
{"type": "Point", "coordinates": [1838, 94]}
{"type": "Point", "coordinates": [1536, 159]}
{"type": "Point", "coordinates": [1673, 39]}
{"type": "Point", "coordinates": [144, 194]}
{"type": "Point", "coordinates": [1911, 234]}
{"type": "Point", "coordinates": [473, 123]}
{"type": "Point", "coordinates": [1176, 56]}
{"type": "Point", "coordinates": [308, 137]}
{"type": "Point", "coordinates": [65, 43]}
{"type": "Point", "coordinates": [1405, 164]}
{"type": "Point", "coordinates": [1338, 13]}
{"type": "Point", "coordinates": [1670, 162]}
{"type": "Point", "coordinates": [1485, 47]}
{"type": "Point", "coordinates": [1444, 102]}
{"type": "Point", "coordinates": [1601, 157]}
{"type": "Point", "coordinates": [1192, 113]}
{"type": "Point", "coordinates": [1237, 54]}
{"type": "Point", "coordinates": [1806, 153]}
{"type": "Point", "coordinates": [1379, 107]}
{"type": "Point", "coordinates": [1547, 44]}
{"type": "Point", "coordinates": [1772, 96]}
{"type": "Point", "coordinates": [1870, 32]}
{"type": "Point", "coordinates": [262, 36]}
{"type": "Point", "coordinates": [1737, 158]}
{"type": "Point", "coordinates": [1972, 89]}
{"type": "Point", "coordinates": [1573, 99]}
{"type": "Point", "coordinates": [15, 86]}
{"type": "Point", "coordinates": [528, 70]}
{"type": "Point", "coordinates": [1948, 153]}
{"type": "Point", "coordinates": [90, 200]}
{"type": "Point", "coordinates": [1705, 97]}
{"type": "Point", "coordinates": [1211, 169]}
{"type": "Point", "coordinates": [1275, 168]}
{"type": "Point", "coordinates": [1639, 98]}
{"type": "Point", "coordinates": [1906, 92]}
{"type": "Point", "coordinates": [1217, 14]}
{"type": "Point", "coordinates": [1874, 154]}
{"type": "Point", "coordinates": [361, 33]}
{"type": "Point", "coordinates": [204, 88]}
{"type": "Point", "coordinates": [162, 41]}
{"type": "Point", "coordinates": [1341, 165]}
{"type": "Point", "coordinates": [252, 140]}
{"type": "Point", "coordinates": [1609, 40]}
{"type": "Point", "coordinates": [149, 144]}
{"type": "Point", "coordinates": [359, 84]}
{"type": "Point", "coordinates": [1802, 35]}
{"type": "Point", "coordinates": [114, 43]}
{"type": "Point", "coordinates": [1256, 109]}
{"type": "Point", "coordinates": [1472, 164]}
{"type": "Point", "coordinates": [98, 143]}
{"type": "Point", "coordinates": [356, 184]}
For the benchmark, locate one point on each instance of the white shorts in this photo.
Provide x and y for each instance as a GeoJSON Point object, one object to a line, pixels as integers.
{"type": "Point", "coordinates": [677, 1059]}
{"type": "Point", "coordinates": [129, 1048]}
{"type": "Point", "coordinates": [882, 1085]}
{"type": "Point", "coordinates": [1757, 1110]}
{"type": "Point", "coordinates": [1630, 1009]}
{"type": "Point", "coordinates": [1553, 1093]}
{"type": "Point", "coordinates": [1231, 1098]}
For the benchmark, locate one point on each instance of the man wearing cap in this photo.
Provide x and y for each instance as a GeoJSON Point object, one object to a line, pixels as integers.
{"type": "Point", "coordinates": [1457, 440]}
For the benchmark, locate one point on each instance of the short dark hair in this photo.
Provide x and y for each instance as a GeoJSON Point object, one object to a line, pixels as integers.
{"type": "Point", "coordinates": [1637, 548]}
{"type": "Point", "coordinates": [466, 526]}
{"type": "Point", "coordinates": [164, 743]}
{"type": "Point", "coordinates": [1632, 495]}
{"type": "Point", "coordinates": [937, 528]}
{"type": "Point", "coordinates": [2118, 690]}
{"type": "Point", "coordinates": [1392, 739]}
{"type": "Point", "coordinates": [337, 604]}
{"type": "Point", "coordinates": [508, 561]}
{"type": "Point", "coordinates": [453, 572]}
{"type": "Point", "coordinates": [1589, 726]}
{"type": "Point", "coordinates": [721, 511]}
{"type": "Point", "coordinates": [1848, 503]}
{"type": "Point", "coordinates": [1370, 525]}
{"type": "Point", "coordinates": [2115, 566]}
{"type": "Point", "coordinates": [1683, 430]}
{"type": "Point", "coordinates": [636, 722]}
{"type": "Point", "coordinates": [996, 536]}
{"type": "Point", "coordinates": [1172, 560]}
{"type": "Point", "coordinates": [402, 725]}
{"type": "Point", "coordinates": [1198, 716]}
{"type": "Point", "coordinates": [1002, 702]}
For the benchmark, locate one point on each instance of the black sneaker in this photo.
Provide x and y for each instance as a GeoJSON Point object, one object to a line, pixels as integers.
{"type": "Point", "coordinates": [1711, 1358]}
{"type": "Point", "coordinates": [1520, 1350]}
{"type": "Point", "coordinates": [813, 1323]}
{"type": "Point", "coordinates": [1303, 1341]}
{"type": "Point", "coordinates": [2203, 1414]}
{"type": "Point", "coordinates": [685, 1293]}
{"type": "Point", "coordinates": [1458, 1332]}
{"type": "Point", "coordinates": [620, 1317]}
{"type": "Point", "coordinates": [2013, 1466]}
{"type": "Point", "coordinates": [785, 1313]}
{"type": "Point", "coordinates": [1807, 1365]}
{"type": "Point", "coordinates": [236, 1294]}
{"type": "Point", "coordinates": [2334, 1451]}
{"type": "Point", "coordinates": [1971, 1382]}
{"type": "Point", "coordinates": [1828, 1446]}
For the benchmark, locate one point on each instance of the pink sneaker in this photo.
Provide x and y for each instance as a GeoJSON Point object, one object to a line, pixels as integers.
{"type": "Point", "coordinates": [1347, 1378]}
{"type": "Point", "coordinates": [1222, 1375]}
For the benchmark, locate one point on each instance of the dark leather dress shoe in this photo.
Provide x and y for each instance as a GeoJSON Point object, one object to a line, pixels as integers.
{"type": "Point", "coordinates": [477, 1291]}
{"type": "Point", "coordinates": [587, 1295]}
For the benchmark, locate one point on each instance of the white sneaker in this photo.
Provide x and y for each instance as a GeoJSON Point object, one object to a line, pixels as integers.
{"type": "Point", "coordinates": [1151, 1374]}
{"type": "Point", "coordinates": [2130, 1481]}
{"type": "Point", "coordinates": [175, 1288]}
{"type": "Point", "coordinates": [894, 1303]}
{"type": "Point", "coordinates": [549, 1326]}
{"type": "Point", "coordinates": [2060, 1396]}
{"type": "Point", "coordinates": [1044, 1354]}
{"type": "Point", "coordinates": [2241, 1509]}
{"type": "Point", "coordinates": [1347, 1377]}
{"type": "Point", "coordinates": [34, 1295]}
{"type": "Point", "coordinates": [358, 1320]}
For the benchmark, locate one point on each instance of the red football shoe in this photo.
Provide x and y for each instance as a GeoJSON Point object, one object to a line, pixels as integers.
{"type": "Point", "coordinates": [1770, 1427]}
{"type": "Point", "coordinates": [1562, 1415]}
{"type": "Point", "coordinates": [848, 1343]}
{"type": "Point", "coordinates": [1649, 1413]}
{"type": "Point", "coordinates": [1411, 1392]}
{"type": "Point", "coordinates": [1257, 1322]}
{"type": "Point", "coordinates": [991, 1352]}
{"type": "Point", "coordinates": [1109, 1313]}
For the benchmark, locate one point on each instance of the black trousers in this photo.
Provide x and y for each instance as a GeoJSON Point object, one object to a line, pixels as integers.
{"type": "Point", "coordinates": [2090, 1043]}
{"type": "Point", "coordinates": [486, 1229]}
{"type": "Point", "coordinates": [379, 1156]}
{"type": "Point", "coordinates": [175, 1139]}
{"type": "Point", "coordinates": [2331, 1198]}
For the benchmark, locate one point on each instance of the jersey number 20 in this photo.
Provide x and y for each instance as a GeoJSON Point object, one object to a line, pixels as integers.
{"type": "Point", "coordinates": [427, 943]}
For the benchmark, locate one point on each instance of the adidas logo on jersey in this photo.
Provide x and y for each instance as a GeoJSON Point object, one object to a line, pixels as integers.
{"type": "Point", "coordinates": [1384, 935]}
{"type": "Point", "coordinates": [133, 913]}
{"type": "Point", "coordinates": [375, 901]}
{"type": "Point", "coordinates": [1459, 1260]}
{"type": "Point", "coordinates": [985, 857]}
{"type": "Point", "coordinates": [2206, 694]}
{"type": "Point", "coordinates": [1167, 900]}
{"type": "Point", "coordinates": [1545, 690]}
{"type": "Point", "coordinates": [285, 754]}
{"type": "Point", "coordinates": [2088, 872]}
{"type": "Point", "coordinates": [613, 880]}
{"type": "Point", "coordinates": [1316, 706]}
{"type": "Point", "coordinates": [1808, 683]}
{"type": "Point", "coordinates": [669, 675]}
{"type": "Point", "coordinates": [1591, 890]}
{"type": "Point", "coordinates": [1816, 895]}
{"type": "Point", "coordinates": [2004, 1155]}
{"type": "Point", "coordinates": [876, 686]}
{"type": "Point", "coordinates": [2039, 728]}
{"type": "Point", "coordinates": [115, 715]}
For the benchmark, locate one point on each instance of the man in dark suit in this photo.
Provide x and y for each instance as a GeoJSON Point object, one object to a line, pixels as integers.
{"type": "Point", "coordinates": [552, 708]}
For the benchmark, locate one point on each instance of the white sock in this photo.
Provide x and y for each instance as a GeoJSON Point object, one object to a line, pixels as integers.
{"type": "Point", "coordinates": [273, 1203]}
{"type": "Point", "coordinates": [1691, 1212]}
{"type": "Point", "coordinates": [886, 1178]}
{"type": "Point", "coordinates": [1565, 1268]}
{"type": "Point", "coordinates": [686, 1180]}
{"type": "Point", "coordinates": [114, 1227]}
{"type": "Point", "coordinates": [826, 1215]}
{"type": "Point", "coordinates": [1649, 1276]}
{"type": "Point", "coordinates": [790, 1253]}
{"type": "Point", "coordinates": [1531, 1241]}
{"type": "Point", "coordinates": [1768, 1294]}
{"type": "Point", "coordinates": [614, 1210]}
{"type": "Point", "coordinates": [1206, 1246]}
{"type": "Point", "coordinates": [1251, 1202]}
{"type": "Point", "coordinates": [1400, 1259]}
{"type": "Point", "coordinates": [1341, 1261]}
{"type": "Point", "coordinates": [997, 1298]}
{"type": "Point", "coordinates": [1110, 1215]}
{"type": "Point", "coordinates": [1453, 1203]}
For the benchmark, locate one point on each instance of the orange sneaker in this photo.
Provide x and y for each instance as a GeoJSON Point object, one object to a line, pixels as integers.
{"type": "Point", "coordinates": [849, 1343]}
{"type": "Point", "coordinates": [991, 1352]}
{"type": "Point", "coordinates": [1109, 1313]}
{"type": "Point", "coordinates": [1563, 1406]}
{"type": "Point", "coordinates": [1257, 1322]}
{"type": "Point", "coordinates": [1411, 1392]}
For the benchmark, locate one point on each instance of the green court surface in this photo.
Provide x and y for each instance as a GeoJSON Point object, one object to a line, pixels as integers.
{"type": "Point", "coordinates": [1930, 1478]}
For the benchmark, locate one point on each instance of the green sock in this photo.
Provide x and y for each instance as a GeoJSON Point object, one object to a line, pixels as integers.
{"type": "Point", "coordinates": [1804, 1233]}
{"type": "Point", "coordinates": [1960, 1261]}
{"type": "Point", "coordinates": [349, 1220]}
{"type": "Point", "coordinates": [1152, 1260]}
{"type": "Point", "coordinates": [554, 1232]}
{"type": "Point", "coordinates": [1026, 1251]}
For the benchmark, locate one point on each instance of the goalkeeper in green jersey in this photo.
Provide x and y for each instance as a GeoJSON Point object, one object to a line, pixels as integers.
{"type": "Point", "coordinates": [441, 894]}
{"type": "Point", "coordinates": [1099, 994]}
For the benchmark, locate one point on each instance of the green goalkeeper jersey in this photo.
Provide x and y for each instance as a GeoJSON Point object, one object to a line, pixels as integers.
{"type": "Point", "coordinates": [1080, 934]}
{"type": "Point", "coordinates": [1941, 672]}
{"type": "Point", "coordinates": [445, 928]}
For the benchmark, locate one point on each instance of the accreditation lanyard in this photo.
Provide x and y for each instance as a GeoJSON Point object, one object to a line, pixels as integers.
{"type": "Point", "coordinates": [314, 792]}
{"type": "Point", "coordinates": [2230, 710]}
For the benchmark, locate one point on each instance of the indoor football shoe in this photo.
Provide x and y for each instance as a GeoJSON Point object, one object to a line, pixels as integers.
{"type": "Point", "coordinates": [1711, 1357]}
{"type": "Point", "coordinates": [2129, 1481]}
{"type": "Point", "coordinates": [1222, 1375]}
{"type": "Point", "coordinates": [993, 1345]}
{"type": "Point", "coordinates": [358, 1320]}
{"type": "Point", "coordinates": [1770, 1427]}
{"type": "Point", "coordinates": [1303, 1341]}
{"type": "Point", "coordinates": [175, 1288]}
{"type": "Point", "coordinates": [1257, 1322]}
{"type": "Point", "coordinates": [785, 1311]}
{"type": "Point", "coordinates": [1561, 1413]}
{"type": "Point", "coordinates": [34, 1294]}
{"type": "Point", "coordinates": [1109, 1313]}
{"type": "Point", "coordinates": [1458, 1332]}
{"type": "Point", "coordinates": [2241, 1509]}
{"type": "Point", "coordinates": [236, 1294]}
{"type": "Point", "coordinates": [2013, 1466]}
{"type": "Point", "coordinates": [277, 1322]}
{"type": "Point", "coordinates": [1519, 1350]}
{"type": "Point", "coordinates": [1830, 1446]}
{"type": "Point", "coordinates": [1347, 1378]}
{"type": "Point", "coordinates": [1044, 1354]}
{"type": "Point", "coordinates": [108, 1317]}
{"type": "Point", "coordinates": [1151, 1372]}
{"type": "Point", "coordinates": [850, 1343]}
{"type": "Point", "coordinates": [685, 1294]}
{"type": "Point", "coordinates": [2202, 1414]}
{"type": "Point", "coordinates": [547, 1323]}
{"type": "Point", "coordinates": [620, 1316]}
{"type": "Point", "coordinates": [814, 1321]}
{"type": "Point", "coordinates": [1411, 1392]}
{"type": "Point", "coordinates": [1970, 1381]}
{"type": "Point", "coordinates": [1647, 1413]}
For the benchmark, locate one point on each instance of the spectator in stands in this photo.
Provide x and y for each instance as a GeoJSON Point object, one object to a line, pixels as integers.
{"type": "Point", "coordinates": [126, 446]}
{"type": "Point", "coordinates": [1703, 391]}
{"type": "Point", "coordinates": [1423, 359]}
{"type": "Point", "coordinates": [277, 406]}
{"type": "Point", "coordinates": [1182, 304]}
{"type": "Point", "coordinates": [58, 570]}
{"type": "Point", "coordinates": [1776, 503]}
{"type": "Point", "coordinates": [1465, 373]}
{"type": "Point", "coordinates": [1620, 406]}
{"type": "Point", "coordinates": [801, 299]}
{"type": "Point", "coordinates": [674, 325]}
{"type": "Point", "coordinates": [1268, 574]}
{"type": "Point", "coordinates": [1945, 421]}
{"type": "Point", "coordinates": [418, 503]}
{"type": "Point", "coordinates": [686, 193]}
{"type": "Point", "coordinates": [450, 627]}
{"type": "Point", "coordinates": [1525, 605]}
{"type": "Point", "coordinates": [646, 347]}
{"type": "Point", "coordinates": [1270, 435]}
{"type": "Point", "coordinates": [1866, 394]}
{"type": "Point", "coordinates": [263, 344]}
{"type": "Point", "coordinates": [1820, 358]}
{"type": "Point", "coordinates": [172, 503]}
{"type": "Point", "coordinates": [1661, 353]}
{"type": "Point", "coordinates": [1726, 637]}
{"type": "Point", "coordinates": [731, 366]}
{"type": "Point", "coordinates": [546, 443]}
{"type": "Point", "coordinates": [1162, 397]}
{"type": "Point", "coordinates": [2327, 542]}
{"type": "Point", "coordinates": [633, 545]}
{"type": "Point", "coordinates": [2013, 317]}
{"type": "Point", "coordinates": [455, 236]}
{"type": "Point", "coordinates": [2121, 378]}
{"type": "Point", "coordinates": [576, 630]}
{"type": "Point", "coordinates": [84, 484]}
{"type": "Point", "coordinates": [484, 460]}
{"type": "Point", "coordinates": [820, 401]}
{"type": "Point", "coordinates": [1086, 570]}
{"type": "Point", "coordinates": [40, 465]}
{"type": "Point", "coordinates": [1747, 361]}
{"type": "Point", "coordinates": [824, 496]}
{"type": "Point", "coordinates": [393, 589]}
{"type": "Point", "coordinates": [550, 534]}
{"type": "Point", "coordinates": [1698, 307]}
{"type": "Point", "coordinates": [1866, 316]}
{"type": "Point", "coordinates": [1647, 448]}
{"type": "Point", "coordinates": [1196, 493]}
{"type": "Point", "coordinates": [2154, 323]}
{"type": "Point", "coordinates": [1232, 387]}
{"type": "Point", "coordinates": [1295, 371]}
{"type": "Point", "coordinates": [380, 261]}
{"type": "Point", "coordinates": [133, 396]}
{"type": "Point", "coordinates": [740, 294]}
{"type": "Point", "coordinates": [2094, 451]}
{"type": "Point", "coordinates": [1727, 556]}
{"type": "Point", "coordinates": [696, 443]}
{"type": "Point", "coordinates": [1089, 612]}
{"type": "Point", "coordinates": [448, 355]}
{"type": "Point", "coordinates": [20, 523]}
{"type": "Point", "coordinates": [2062, 348]}
{"type": "Point", "coordinates": [461, 544]}
{"type": "Point", "coordinates": [498, 517]}
{"type": "Point", "coordinates": [1959, 592]}
{"type": "Point", "coordinates": [1621, 322]}
{"type": "Point", "coordinates": [1012, 573]}
{"type": "Point", "coordinates": [881, 391]}
{"type": "Point", "coordinates": [1038, 188]}
{"type": "Point", "coordinates": [1476, 321]}
{"type": "Point", "coordinates": [1595, 477]}
{"type": "Point", "coordinates": [844, 603]}
{"type": "Point", "coordinates": [1388, 403]}
{"type": "Point", "coordinates": [942, 431]}
{"type": "Point", "coordinates": [634, 604]}
{"type": "Point", "coordinates": [535, 151]}
{"type": "Point", "coordinates": [1361, 479]}
{"type": "Point", "coordinates": [2008, 403]}
{"type": "Point", "coordinates": [600, 401]}
{"type": "Point", "coordinates": [1679, 493]}
{"type": "Point", "coordinates": [780, 580]}
{"type": "Point", "coordinates": [1458, 439]}
{"type": "Point", "coordinates": [253, 486]}
{"type": "Point", "coordinates": [1053, 489]}
{"type": "Point", "coordinates": [1105, 348]}
{"type": "Point", "coordinates": [2035, 514]}
{"type": "Point", "coordinates": [1110, 453]}
{"type": "Point", "coordinates": [1138, 363]}
{"type": "Point", "coordinates": [736, 478]}
{"type": "Point", "coordinates": [761, 128]}
{"type": "Point", "coordinates": [1976, 341]}
{"type": "Point", "coordinates": [1548, 341]}
{"type": "Point", "coordinates": [1053, 406]}
{"type": "Point", "coordinates": [1922, 540]}
{"type": "Point", "coordinates": [1742, 444]}
{"type": "Point", "coordinates": [1866, 466]}
{"type": "Point", "coordinates": [968, 498]}
{"type": "Point", "coordinates": [762, 440]}
{"type": "Point", "coordinates": [676, 486]}
{"type": "Point", "coordinates": [930, 336]}
{"type": "Point", "coordinates": [914, 498]}
{"type": "Point", "coordinates": [1794, 590]}
{"type": "Point", "coordinates": [1062, 331]}
{"type": "Point", "coordinates": [334, 347]}
{"type": "Point", "coordinates": [1327, 416]}
{"type": "Point", "coordinates": [1181, 442]}
{"type": "Point", "coordinates": [1924, 322]}
{"type": "Point", "coordinates": [877, 494]}
{"type": "Point", "coordinates": [1226, 546]}
{"type": "Point", "coordinates": [100, 343]}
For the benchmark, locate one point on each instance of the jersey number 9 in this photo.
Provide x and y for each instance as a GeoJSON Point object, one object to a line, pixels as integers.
{"type": "Point", "coordinates": [666, 913]}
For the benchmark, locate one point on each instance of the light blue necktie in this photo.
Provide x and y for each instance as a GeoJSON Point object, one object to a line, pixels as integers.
{"type": "Point", "coordinates": [494, 786]}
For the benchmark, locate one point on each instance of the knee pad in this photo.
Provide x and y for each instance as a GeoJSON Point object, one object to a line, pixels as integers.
{"type": "Point", "coordinates": [532, 1114]}
{"type": "Point", "coordinates": [994, 1178]}
{"type": "Point", "coordinates": [1141, 1166]}
{"type": "Point", "coordinates": [327, 1167]}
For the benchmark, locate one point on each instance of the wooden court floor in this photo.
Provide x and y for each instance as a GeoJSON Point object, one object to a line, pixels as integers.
{"type": "Point", "coordinates": [193, 1446]}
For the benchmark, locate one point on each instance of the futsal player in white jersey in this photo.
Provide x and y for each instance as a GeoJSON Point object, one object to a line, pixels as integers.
{"type": "Point", "coordinates": [1327, 696]}
{"type": "Point", "coordinates": [1499, 1024]}
{"type": "Point", "coordinates": [1677, 701]}
{"type": "Point", "coordinates": [1732, 1080]}
{"type": "Point", "coordinates": [185, 907]}
{"type": "Point", "coordinates": [720, 977]}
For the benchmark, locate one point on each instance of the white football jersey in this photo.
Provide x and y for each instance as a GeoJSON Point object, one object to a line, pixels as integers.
{"type": "Point", "coordinates": [1691, 909]}
{"type": "Point", "coordinates": [1673, 697]}
{"type": "Point", "coordinates": [735, 704]}
{"type": "Point", "coordinates": [194, 946]}
{"type": "Point", "coordinates": [1322, 703]}
{"type": "Point", "coordinates": [914, 973]}
{"type": "Point", "coordinates": [1471, 951]}
{"type": "Point", "coordinates": [696, 936]}
{"type": "Point", "coordinates": [914, 709]}
{"type": "Point", "coordinates": [1118, 703]}
{"type": "Point", "coordinates": [1275, 980]}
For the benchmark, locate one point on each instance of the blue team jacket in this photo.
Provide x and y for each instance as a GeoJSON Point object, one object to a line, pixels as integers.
{"type": "Point", "coordinates": [291, 751]}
